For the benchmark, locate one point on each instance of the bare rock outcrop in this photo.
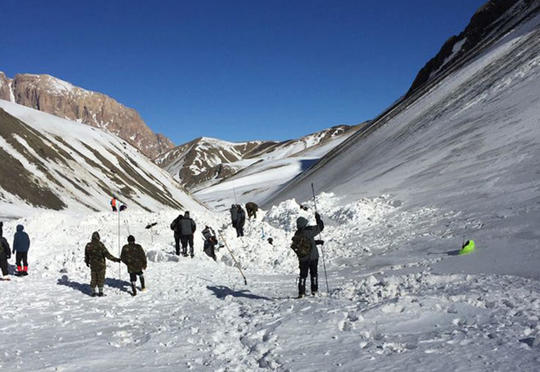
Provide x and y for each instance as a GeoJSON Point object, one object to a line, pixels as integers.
{"type": "Point", "coordinates": [54, 96]}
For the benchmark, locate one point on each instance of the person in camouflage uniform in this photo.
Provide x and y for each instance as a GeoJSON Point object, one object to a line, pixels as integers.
{"type": "Point", "coordinates": [95, 254]}
{"type": "Point", "coordinates": [252, 209]}
{"type": "Point", "coordinates": [135, 259]}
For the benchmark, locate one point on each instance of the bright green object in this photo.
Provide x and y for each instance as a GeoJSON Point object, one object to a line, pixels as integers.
{"type": "Point", "coordinates": [468, 247]}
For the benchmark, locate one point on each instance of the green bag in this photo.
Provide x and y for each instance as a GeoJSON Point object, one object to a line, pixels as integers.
{"type": "Point", "coordinates": [301, 245]}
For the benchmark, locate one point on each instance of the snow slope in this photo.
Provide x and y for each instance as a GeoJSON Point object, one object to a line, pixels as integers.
{"type": "Point", "coordinates": [80, 166]}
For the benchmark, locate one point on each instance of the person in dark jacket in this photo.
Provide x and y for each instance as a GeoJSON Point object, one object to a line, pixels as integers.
{"type": "Point", "coordinates": [135, 259]}
{"type": "Point", "coordinates": [310, 262]}
{"type": "Point", "coordinates": [238, 218]}
{"type": "Point", "coordinates": [252, 209]}
{"type": "Point", "coordinates": [210, 241]}
{"type": "Point", "coordinates": [187, 228]}
{"type": "Point", "coordinates": [95, 254]}
{"type": "Point", "coordinates": [5, 255]}
{"type": "Point", "coordinates": [21, 245]}
{"type": "Point", "coordinates": [175, 226]}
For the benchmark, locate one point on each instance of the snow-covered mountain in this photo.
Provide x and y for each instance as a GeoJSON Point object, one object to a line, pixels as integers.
{"type": "Point", "coordinates": [52, 163]}
{"type": "Point", "coordinates": [54, 96]}
{"type": "Point", "coordinates": [206, 161]}
{"type": "Point", "coordinates": [469, 142]}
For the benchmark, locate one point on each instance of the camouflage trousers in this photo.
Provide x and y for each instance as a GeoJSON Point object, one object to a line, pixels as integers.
{"type": "Point", "coordinates": [97, 278]}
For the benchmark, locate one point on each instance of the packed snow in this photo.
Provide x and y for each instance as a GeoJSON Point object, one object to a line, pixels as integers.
{"type": "Point", "coordinates": [386, 308]}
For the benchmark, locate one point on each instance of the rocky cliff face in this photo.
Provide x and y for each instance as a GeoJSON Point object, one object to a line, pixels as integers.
{"type": "Point", "coordinates": [60, 98]}
{"type": "Point", "coordinates": [488, 19]}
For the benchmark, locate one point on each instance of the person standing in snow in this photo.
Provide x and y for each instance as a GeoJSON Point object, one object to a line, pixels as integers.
{"type": "Point", "coordinates": [187, 228]}
{"type": "Point", "coordinates": [305, 246]}
{"type": "Point", "coordinates": [238, 218]}
{"type": "Point", "coordinates": [175, 226]}
{"type": "Point", "coordinates": [135, 259]}
{"type": "Point", "coordinates": [113, 204]}
{"type": "Point", "coordinates": [252, 209]}
{"type": "Point", "coordinates": [5, 255]}
{"type": "Point", "coordinates": [95, 254]}
{"type": "Point", "coordinates": [21, 245]}
{"type": "Point", "coordinates": [210, 242]}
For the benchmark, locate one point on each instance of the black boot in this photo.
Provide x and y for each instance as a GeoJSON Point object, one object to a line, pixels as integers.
{"type": "Point", "coordinates": [301, 287]}
{"type": "Point", "coordinates": [143, 287]}
{"type": "Point", "coordinates": [133, 289]}
{"type": "Point", "coordinates": [314, 285]}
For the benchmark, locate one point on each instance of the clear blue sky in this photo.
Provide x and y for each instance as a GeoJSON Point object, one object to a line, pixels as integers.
{"type": "Point", "coordinates": [236, 70]}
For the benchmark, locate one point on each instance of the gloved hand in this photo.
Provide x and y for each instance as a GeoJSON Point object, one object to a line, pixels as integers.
{"type": "Point", "coordinates": [87, 264]}
{"type": "Point", "coordinates": [319, 242]}
{"type": "Point", "coordinates": [317, 216]}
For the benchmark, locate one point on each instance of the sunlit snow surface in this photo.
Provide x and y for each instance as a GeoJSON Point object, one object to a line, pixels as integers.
{"type": "Point", "coordinates": [397, 208]}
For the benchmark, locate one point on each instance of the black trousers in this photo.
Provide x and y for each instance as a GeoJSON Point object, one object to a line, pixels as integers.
{"type": "Point", "coordinates": [4, 266]}
{"type": "Point", "coordinates": [210, 249]}
{"type": "Point", "coordinates": [21, 256]}
{"type": "Point", "coordinates": [185, 239]}
{"type": "Point", "coordinates": [133, 278]}
{"type": "Point", "coordinates": [177, 243]}
{"type": "Point", "coordinates": [311, 267]}
{"type": "Point", "coordinates": [239, 231]}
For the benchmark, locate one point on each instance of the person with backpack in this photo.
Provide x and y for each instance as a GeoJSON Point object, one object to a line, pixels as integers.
{"type": "Point", "coordinates": [5, 254]}
{"type": "Point", "coordinates": [305, 247]}
{"type": "Point", "coordinates": [175, 226]}
{"type": "Point", "coordinates": [21, 245]}
{"type": "Point", "coordinates": [210, 241]}
{"type": "Point", "coordinates": [252, 209]}
{"type": "Point", "coordinates": [135, 259]}
{"type": "Point", "coordinates": [95, 254]}
{"type": "Point", "coordinates": [240, 220]}
{"type": "Point", "coordinates": [187, 228]}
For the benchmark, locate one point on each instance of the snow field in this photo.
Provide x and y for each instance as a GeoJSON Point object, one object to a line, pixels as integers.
{"type": "Point", "coordinates": [387, 308]}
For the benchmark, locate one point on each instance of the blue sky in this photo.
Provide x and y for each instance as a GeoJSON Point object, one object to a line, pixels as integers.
{"type": "Point", "coordinates": [236, 70]}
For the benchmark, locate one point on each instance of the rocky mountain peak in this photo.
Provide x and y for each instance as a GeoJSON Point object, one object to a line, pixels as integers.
{"type": "Point", "coordinates": [61, 98]}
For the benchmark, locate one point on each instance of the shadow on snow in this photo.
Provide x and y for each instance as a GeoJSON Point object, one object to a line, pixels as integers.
{"type": "Point", "coordinates": [221, 292]}
{"type": "Point", "coordinates": [86, 289]}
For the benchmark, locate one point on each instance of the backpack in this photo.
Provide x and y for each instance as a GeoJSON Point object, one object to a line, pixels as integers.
{"type": "Point", "coordinates": [301, 245]}
{"type": "Point", "coordinates": [174, 225]}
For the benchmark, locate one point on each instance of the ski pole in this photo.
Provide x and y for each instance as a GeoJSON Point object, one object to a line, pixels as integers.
{"type": "Point", "coordinates": [234, 259]}
{"type": "Point", "coordinates": [322, 250]}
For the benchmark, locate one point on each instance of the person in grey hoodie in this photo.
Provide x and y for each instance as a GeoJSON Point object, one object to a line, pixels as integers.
{"type": "Point", "coordinates": [310, 262]}
{"type": "Point", "coordinates": [21, 245]}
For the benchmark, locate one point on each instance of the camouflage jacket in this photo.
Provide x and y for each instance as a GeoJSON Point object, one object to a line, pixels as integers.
{"type": "Point", "coordinates": [95, 254]}
{"type": "Point", "coordinates": [134, 257]}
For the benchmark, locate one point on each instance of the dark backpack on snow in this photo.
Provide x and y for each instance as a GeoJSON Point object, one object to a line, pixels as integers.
{"type": "Point", "coordinates": [301, 245]}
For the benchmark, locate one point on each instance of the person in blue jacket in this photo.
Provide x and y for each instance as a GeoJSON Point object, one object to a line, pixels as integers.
{"type": "Point", "coordinates": [21, 245]}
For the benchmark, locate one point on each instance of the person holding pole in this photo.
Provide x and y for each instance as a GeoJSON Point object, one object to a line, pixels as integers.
{"type": "Point", "coordinates": [135, 259]}
{"type": "Point", "coordinates": [305, 246]}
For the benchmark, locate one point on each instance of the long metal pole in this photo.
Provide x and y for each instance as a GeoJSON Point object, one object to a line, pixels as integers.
{"type": "Point", "coordinates": [322, 250]}
{"type": "Point", "coordinates": [234, 259]}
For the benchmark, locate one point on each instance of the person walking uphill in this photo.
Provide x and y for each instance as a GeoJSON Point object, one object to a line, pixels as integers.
{"type": "Point", "coordinates": [210, 242]}
{"type": "Point", "coordinates": [175, 226]}
{"type": "Point", "coordinates": [135, 259]}
{"type": "Point", "coordinates": [5, 255]}
{"type": "Point", "coordinates": [95, 254]}
{"type": "Point", "coordinates": [305, 247]}
{"type": "Point", "coordinates": [187, 228]}
{"type": "Point", "coordinates": [21, 245]}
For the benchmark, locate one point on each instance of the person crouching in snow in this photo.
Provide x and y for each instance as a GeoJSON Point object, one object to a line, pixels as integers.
{"type": "Point", "coordinates": [95, 254]}
{"type": "Point", "coordinates": [21, 245]}
{"type": "Point", "coordinates": [135, 259]}
{"type": "Point", "coordinates": [5, 255]}
{"type": "Point", "coordinates": [210, 242]}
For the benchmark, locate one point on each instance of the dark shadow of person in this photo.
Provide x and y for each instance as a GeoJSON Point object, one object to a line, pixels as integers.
{"type": "Point", "coordinates": [221, 292]}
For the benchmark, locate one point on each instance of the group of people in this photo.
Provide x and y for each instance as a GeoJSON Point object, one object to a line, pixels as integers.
{"type": "Point", "coordinates": [134, 257]}
{"type": "Point", "coordinates": [21, 246]}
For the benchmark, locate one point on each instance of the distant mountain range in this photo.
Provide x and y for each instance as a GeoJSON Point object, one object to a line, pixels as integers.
{"type": "Point", "coordinates": [54, 96]}
{"type": "Point", "coordinates": [206, 161]}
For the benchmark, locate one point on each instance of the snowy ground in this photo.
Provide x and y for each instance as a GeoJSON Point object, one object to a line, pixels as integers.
{"type": "Point", "coordinates": [387, 309]}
